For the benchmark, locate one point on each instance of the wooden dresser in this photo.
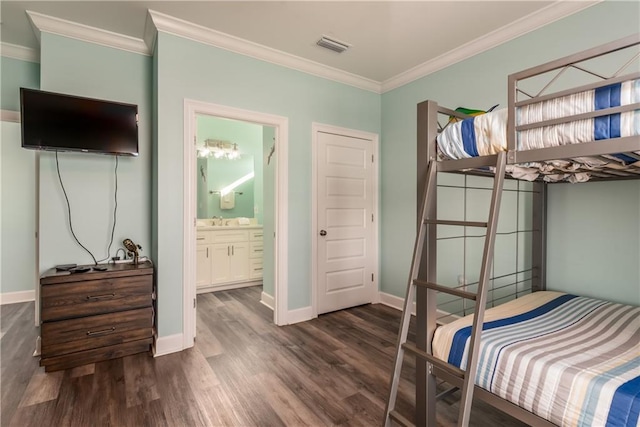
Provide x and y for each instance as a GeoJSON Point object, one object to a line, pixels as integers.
{"type": "Point", "coordinates": [97, 315]}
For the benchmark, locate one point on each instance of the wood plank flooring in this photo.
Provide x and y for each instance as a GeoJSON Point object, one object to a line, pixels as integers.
{"type": "Point", "coordinates": [243, 371]}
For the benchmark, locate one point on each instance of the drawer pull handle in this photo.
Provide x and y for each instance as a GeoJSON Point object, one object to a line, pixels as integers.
{"type": "Point", "coordinates": [257, 269]}
{"type": "Point", "coordinates": [102, 332]}
{"type": "Point", "coordinates": [257, 250]}
{"type": "Point", "coordinates": [200, 238]}
{"type": "Point", "coordinates": [257, 235]}
{"type": "Point", "coordinates": [100, 297]}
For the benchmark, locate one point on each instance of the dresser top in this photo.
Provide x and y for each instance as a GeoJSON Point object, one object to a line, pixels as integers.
{"type": "Point", "coordinates": [53, 276]}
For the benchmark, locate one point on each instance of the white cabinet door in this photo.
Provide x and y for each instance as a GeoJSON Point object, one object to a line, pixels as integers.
{"type": "Point", "coordinates": [203, 265]}
{"type": "Point", "coordinates": [220, 272]}
{"type": "Point", "coordinates": [239, 261]}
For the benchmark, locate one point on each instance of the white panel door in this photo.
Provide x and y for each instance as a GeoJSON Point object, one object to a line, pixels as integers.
{"type": "Point", "coordinates": [345, 179]}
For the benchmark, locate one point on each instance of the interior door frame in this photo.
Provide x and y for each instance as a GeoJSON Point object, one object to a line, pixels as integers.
{"type": "Point", "coordinates": [316, 128]}
{"type": "Point", "coordinates": [192, 109]}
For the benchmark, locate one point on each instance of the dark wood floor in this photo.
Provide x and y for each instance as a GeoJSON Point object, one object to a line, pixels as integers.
{"type": "Point", "coordinates": [243, 371]}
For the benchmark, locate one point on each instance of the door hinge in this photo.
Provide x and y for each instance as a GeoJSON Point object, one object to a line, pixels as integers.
{"type": "Point", "coordinates": [372, 158]}
{"type": "Point", "coordinates": [194, 303]}
{"type": "Point", "coordinates": [195, 142]}
{"type": "Point", "coordinates": [372, 277]}
{"type": "Point", "coordinates": [371, 217]}
{"type": "Point", "coordinates": [194, 222]}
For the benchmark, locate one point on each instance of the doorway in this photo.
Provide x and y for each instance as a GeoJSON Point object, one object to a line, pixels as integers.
{"type": "Point", "coordinates": [273, 163]}
{"type": "Point", "coordinates": [345, 226]}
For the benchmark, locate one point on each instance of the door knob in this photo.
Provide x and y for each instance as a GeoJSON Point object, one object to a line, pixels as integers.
{"type": "Point", "coordinates": [323, 233]}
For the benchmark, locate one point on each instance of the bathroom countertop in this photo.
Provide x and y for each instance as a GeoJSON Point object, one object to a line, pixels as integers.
{"type": "Point", "coordinates": [228, 227]}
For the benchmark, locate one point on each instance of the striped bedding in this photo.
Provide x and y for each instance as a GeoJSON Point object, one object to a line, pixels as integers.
{"type": "Point", "coordinates": [572, 360]}
{"type": "Point", "coordinates": [486, 134]}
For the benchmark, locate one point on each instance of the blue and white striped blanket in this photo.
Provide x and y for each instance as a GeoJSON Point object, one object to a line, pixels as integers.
{"type": "Point", "coordinates": [486, 134]}
{"type": "Point", "coordinates": [574, 361]}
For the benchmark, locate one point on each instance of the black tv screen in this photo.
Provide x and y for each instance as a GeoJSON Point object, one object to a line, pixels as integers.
{"type": "Point", "coordinates": [54, 121]}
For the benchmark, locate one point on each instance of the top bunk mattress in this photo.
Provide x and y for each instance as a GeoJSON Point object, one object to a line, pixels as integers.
{"type": "Point", "coordinates": [486, 134]}
{"type": "Point", "coordinates": [574, 361]}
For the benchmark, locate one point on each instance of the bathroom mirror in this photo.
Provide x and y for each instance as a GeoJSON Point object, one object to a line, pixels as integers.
{"type": "Point", "coordinates": [226, 187]}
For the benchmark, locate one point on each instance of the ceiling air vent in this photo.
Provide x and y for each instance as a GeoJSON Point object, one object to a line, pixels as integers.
{"type": "Point", "coordinates": [332, 44]}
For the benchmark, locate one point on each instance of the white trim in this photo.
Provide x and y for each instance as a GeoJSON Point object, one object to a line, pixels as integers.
{"type": "Point", "coordinates": [395, 302]}
{"type": "Point", "coordinates": [150, 33]}
{"type": "Point", "coordinates": [300, 315]}
{"type": "Point", "coordinates": [10, 116]}
{"type": "Point", "coordinates": [22, 53]}
{"type": "Point", "coordinates": [398, 303]}
{"type": "Point", "coordinates": [267, 300]}
{"type": "Point", "coordinates": [353, 133]}
{"type": "Point", "coordinates": [171, 25]}
{"type": "Point", "coordinates": [526, 24]}
{"type": "Point", "coordinates": [167, 345]}
{"type": "Point", "coordinates": [281, 126]}
{"type": "Point", "coordinates": [49, 24]}
{"type": "Point", "coordinates": [189, 201]}
{"type": "Point", "coordinates": [16, 297]}
{"type": "Point", "coordinates": [214, 288]}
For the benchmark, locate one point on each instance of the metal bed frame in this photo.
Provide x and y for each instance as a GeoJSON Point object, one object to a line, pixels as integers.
{"type": "Point", "coordinates": [428, 127]}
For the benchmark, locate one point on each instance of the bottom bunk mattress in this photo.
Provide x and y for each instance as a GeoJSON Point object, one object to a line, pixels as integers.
{"type": "Point", "coordinates": [572, 360]}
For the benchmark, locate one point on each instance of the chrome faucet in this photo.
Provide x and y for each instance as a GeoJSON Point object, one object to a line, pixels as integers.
{"type": "Point", "coordinates": [215, 220]}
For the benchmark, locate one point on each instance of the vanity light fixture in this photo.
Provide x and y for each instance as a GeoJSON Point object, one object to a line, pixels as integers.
{"type": "Point", "coordinates": [219, 149]}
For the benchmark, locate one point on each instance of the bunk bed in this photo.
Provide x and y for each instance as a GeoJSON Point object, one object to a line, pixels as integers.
{"type": "Point", "coordinates": [546, 358]}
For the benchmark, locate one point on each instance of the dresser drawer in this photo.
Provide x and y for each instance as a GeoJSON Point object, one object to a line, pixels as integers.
{"type": "Point", "coordinates": [90, 297]}
{"type": "Point", "coordinates": [255, 268]}
{"type": "Point", "coordinates": [255, 235]}
{"type": "Point", "coordinates": [204, 237]}
{"type": "Point", "coordinates": [75, 335]}
{"type": "Point", "coordinates": [229, 236]}
{"type": "Point", "coordinates": [256, 249]}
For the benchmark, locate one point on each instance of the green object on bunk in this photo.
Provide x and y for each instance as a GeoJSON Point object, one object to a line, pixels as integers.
{"type": "Point", "coordinates": [469, 112]}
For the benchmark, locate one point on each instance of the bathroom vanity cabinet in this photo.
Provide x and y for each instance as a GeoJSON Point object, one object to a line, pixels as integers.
{"type": "Point", "coordinates": [228, 257]}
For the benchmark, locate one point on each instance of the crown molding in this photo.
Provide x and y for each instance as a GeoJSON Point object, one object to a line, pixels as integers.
{"type": "Point", "coordinates": [22, 53]}
{"type": "Point", "coordinates": [49, 24]}
{"type": "Point", "coordinates": [150, 33]}
{"type": "Point", "coordinates": [171, 25]}
{"type": "Point", "coordinates": [554, 12]}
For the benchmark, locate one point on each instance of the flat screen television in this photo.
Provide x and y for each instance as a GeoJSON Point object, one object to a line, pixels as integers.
{"type": "Point", "coordinates": [59, 122]}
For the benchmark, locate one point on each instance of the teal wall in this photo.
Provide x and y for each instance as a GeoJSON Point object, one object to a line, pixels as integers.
{"type": "Point", "coordinates": [600, 252]}
{"type": "Point", "coordinates": [15, 74]}
{"type": "Point", "coordinates": [221, 173]}
{"type": "Point", "coordinates": [480, 82]}
{"type": "Point", "coordinates": [18, 207]}
{"type": "Point", "coordinates": [188, 69]}
{"type": "Point", "coordinates": [85, 69]}
{"type": "Point", "coordinates": [17, 183]}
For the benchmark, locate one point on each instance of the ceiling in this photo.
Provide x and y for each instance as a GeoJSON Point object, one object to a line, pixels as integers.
{"type": "Point", "coordinates": [387, 37]}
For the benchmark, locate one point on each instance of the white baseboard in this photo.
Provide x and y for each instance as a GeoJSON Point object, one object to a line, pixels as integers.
{"type": "Point", "coordinates": [16, 297]}
{"type": "Point", "coordinates": [169, 344]}
{"type": "Point", "coordinates": [267, 300]}
{"type": "Point", "coordinates": [227, 287]}
{"type": "Point", "coordinates": [395, 302]}
{"type": "Point", "coordinates": [300, 315]}
{"type": "Point", "coordinates": [398, 303]}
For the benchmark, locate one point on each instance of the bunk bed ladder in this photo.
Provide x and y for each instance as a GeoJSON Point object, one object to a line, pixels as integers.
{"type": "Point", "coordinates": [465, 377]}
